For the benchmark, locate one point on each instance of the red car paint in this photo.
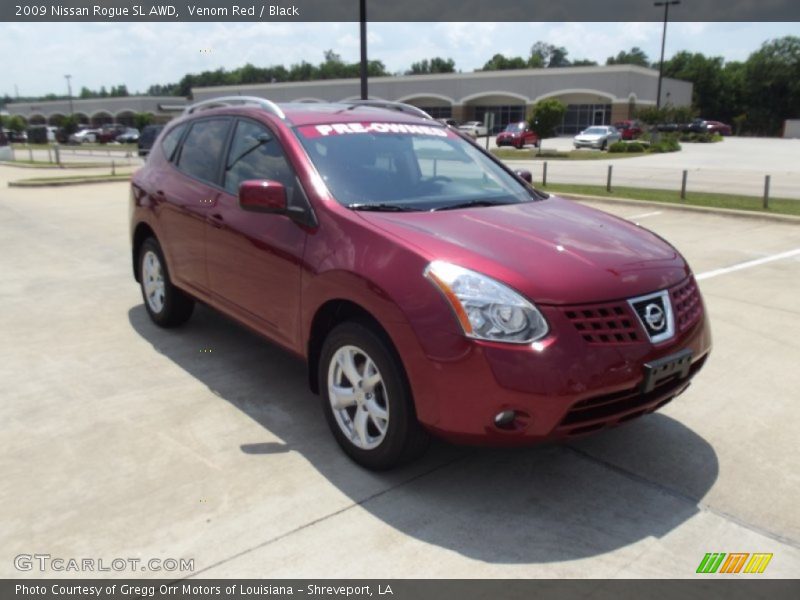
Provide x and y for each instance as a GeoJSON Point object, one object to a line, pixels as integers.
{"type": "Point", "coordinates": [579, 266]}
{"type": "Point", "coordinates": [517, 135]}
{"type": "Point", "coordinates": [630, 129]}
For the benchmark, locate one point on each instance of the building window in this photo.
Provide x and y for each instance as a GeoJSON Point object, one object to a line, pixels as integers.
{"type": "Point", "coordinates": [503, 115]}
{"type": "Point", "coordinates": [580, 116]}
{"type": "Point", "coordinates": [438, 112]}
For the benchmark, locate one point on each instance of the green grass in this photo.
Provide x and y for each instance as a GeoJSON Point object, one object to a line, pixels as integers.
{"type": "Point", "coordinates": [784, 206]}
{"type": "Point", "coordinates": [533, 154]}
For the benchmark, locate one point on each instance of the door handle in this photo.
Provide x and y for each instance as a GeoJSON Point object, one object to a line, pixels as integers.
{"type": "Point", "coordinates": [215, 220]}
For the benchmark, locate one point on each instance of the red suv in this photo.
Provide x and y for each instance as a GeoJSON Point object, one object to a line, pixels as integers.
{"type": "Point", "coordinates": [517, 135]}
{"type": "Point", "coordinates": [429, 288]}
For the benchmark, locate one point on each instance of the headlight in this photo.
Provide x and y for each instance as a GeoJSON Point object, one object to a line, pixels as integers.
{"type": "Point", "coordinates": [485, 308]}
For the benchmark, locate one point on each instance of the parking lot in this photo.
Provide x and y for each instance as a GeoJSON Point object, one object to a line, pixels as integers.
{"type": "Point", "coordinates": [123, 440]}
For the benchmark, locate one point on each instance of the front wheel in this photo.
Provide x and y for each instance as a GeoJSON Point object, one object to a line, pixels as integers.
{"type": "Point", "coordinates": [367, 400]}
{"type": "Point", "coordinates": [167, 305]}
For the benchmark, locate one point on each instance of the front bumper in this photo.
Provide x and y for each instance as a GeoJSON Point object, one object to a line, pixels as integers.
{"type": "Point", "coordinates": [563, 387]}
{"type": "Point", "coordinates": [585, 144]}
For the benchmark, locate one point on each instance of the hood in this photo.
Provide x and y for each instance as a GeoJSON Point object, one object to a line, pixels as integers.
{"type": "Point", "coordinates": [554, 251]}
{"type": "Point", "coordinates": [504, 134]}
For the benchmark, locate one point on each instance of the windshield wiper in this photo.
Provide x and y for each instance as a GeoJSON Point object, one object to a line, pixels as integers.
{"type": "Point", "coordinates": [471, 203]}
{"type": "Point", "coordinates": [380, 207]}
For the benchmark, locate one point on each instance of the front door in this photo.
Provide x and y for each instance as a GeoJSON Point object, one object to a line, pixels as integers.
{"type": "Point", "coordinates": [254, 260]}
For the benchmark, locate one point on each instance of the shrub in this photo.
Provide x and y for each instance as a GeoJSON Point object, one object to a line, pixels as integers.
{"type": "Point", "coordinates": [635, 147]}
{"type": "Point", "coordinates": [618, 147]}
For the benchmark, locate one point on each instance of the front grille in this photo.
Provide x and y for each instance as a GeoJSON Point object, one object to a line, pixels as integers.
{"type": "Point", "coordinates": [616, 323]}
{"type": "Point", "coordinates": [686, 304]}
{"type": "Point", "coordinates": [610, 323]}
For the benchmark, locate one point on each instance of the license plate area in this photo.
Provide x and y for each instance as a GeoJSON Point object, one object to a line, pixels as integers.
{"type": "Point", "coordinates": [673, 366]}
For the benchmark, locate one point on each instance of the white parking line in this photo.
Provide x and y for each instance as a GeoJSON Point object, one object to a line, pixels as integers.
{"type": "Point", "coordinates": [747, 264]}
{"type": "Point", "coordinates": [643, 215]}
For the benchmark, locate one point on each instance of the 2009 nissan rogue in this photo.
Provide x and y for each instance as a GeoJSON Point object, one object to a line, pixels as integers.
{"type": "Point", "coordinates": [430, 289]}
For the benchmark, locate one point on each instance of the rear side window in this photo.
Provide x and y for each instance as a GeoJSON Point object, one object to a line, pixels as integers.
{"type": "Point", "coordinates": [202, 149]}
{"type": "Point", "coordinates": [170, 141]}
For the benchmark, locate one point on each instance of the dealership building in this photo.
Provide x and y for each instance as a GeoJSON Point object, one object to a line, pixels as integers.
{"type": "Point", "coordinates": [593, 96]}
{"type": "Point", "coordinates": [98, 111]}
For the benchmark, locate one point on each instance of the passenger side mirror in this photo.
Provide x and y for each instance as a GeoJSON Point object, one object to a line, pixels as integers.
{"type": "Point", "coordinates": [524, 175]}
{"type": "Point", "coordinates": [262, 195]}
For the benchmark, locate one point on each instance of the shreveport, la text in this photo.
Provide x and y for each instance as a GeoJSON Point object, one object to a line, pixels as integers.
{"type": "Point", "coordinates": [201, 590]}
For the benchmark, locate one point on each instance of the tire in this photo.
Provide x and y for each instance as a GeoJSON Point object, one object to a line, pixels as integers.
{"type": "Point", "coordinates": [603, 147]}
{"type": "Point", "coordinates": [376, 424]}
{"type": "Point", "coordinates": [167, 305]}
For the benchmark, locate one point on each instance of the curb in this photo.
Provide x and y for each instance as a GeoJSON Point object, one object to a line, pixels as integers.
{"type": "Point", "coordinates": [22, 183]}
{"type": "Point", "coordinates": [731, 212]}
{"type": "Point", "coordinates": [17, 165]}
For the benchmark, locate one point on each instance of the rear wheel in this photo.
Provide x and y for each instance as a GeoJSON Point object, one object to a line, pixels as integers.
{"type": "Point", "coordinates": [367, 400]}
{"type": "Point", "coordinates": [167, 305]}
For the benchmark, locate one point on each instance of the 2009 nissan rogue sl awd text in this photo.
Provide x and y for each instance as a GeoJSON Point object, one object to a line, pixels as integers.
{"type": "Point", "coordinates": [430, 289]}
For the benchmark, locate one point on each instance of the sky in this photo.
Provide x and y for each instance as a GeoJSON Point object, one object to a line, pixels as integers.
{"type": "Point", "coordinates": [141, 54]}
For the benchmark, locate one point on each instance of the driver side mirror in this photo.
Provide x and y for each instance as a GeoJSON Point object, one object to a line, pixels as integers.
{"type": "Point", "coordinates": [262, 195]}
{"type": "Point", "coordinates": [525, 175]}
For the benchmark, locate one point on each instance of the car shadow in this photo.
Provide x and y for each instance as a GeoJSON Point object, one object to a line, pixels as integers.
{"type": "Point", "coordinates": [530, 505]}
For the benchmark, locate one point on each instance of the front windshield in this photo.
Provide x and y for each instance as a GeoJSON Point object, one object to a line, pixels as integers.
{"type": "Point", "coordinates": [406, 167]}
{"type": "Point", "coordinates": [515, 127]}
{"type": "Point", "coordinates": [599, 130]}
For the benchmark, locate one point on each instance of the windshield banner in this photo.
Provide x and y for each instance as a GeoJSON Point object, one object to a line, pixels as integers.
{"type": "Point", "coordinates": [330, 129]}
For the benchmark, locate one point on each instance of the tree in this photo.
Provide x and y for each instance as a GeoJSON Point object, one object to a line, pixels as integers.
{"type": "Point", "coordinates": [705, 73]}
{"type": "Point", "coordinates": [583, 62]}
{"type": "Point", "coordinates": [500, 63]}
{"type": "Point", "coordinates": [636, 56]}
{"type": "Point", "coordinates": [772, 85]}
{"type": "Point", "coordinates": [546, 116]}
{"type": "Point", "coordinates": [15, 123]}
{"type": "Point", "coordinates": [544, 55]}
{"type": "Point", "coordinates": [142, 120]}
{"type": "Point", "coordinates": [434, 65]}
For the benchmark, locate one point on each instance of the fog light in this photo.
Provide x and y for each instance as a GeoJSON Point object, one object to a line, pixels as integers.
{"type": "Point", "coordinates": [505, 419]}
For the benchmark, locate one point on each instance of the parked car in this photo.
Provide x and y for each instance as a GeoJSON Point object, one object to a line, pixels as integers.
{"type": "Point", "coordinates": [704, 126]}
{"type": "Point", "coordinates": [108, 133]}
{"type": "Point", "coordinates": [16, 137]}
{"type": "Point", "coordinates": [597, 136]}
{"type": "Point", "coordinates": [147, 138]}
{"type": "Point", "coordinates": [129, 136]}
{"type": "Point", "coordinates": [517, 135]}
{"type": "Point", "coordinates": [429, 288]}
{"type": "Point", "coordinates": [474, 128]}
{"type": "Point", "coordinates": [84, 136]}
{"type": "Point", "coordinates": [630, 129]}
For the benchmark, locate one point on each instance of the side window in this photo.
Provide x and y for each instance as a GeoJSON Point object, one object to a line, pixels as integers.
{"type": "Point", "coordinates": [170, 141]}
{"type": "Point", "coordinates": [256, 154]}
{"type": "Point", "coordinates": [202, 149]}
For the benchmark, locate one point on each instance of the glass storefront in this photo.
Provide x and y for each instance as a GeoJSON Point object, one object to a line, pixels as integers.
{"type": "Point", "coordinates": [439, 112]}
{"type": "Point", "coordinates": [503, 115]}
{"type": "Point", "coordinates": [580, 116]}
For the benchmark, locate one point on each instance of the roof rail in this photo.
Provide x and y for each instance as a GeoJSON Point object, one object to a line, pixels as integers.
{"type": "Point", "coordinates": [398, 106]}
{"type": "Point", "coordinates": [267, 105]}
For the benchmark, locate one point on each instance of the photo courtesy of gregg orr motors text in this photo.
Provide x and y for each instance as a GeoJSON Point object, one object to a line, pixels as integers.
{"type": "Point", "coordinates": [45, 563]}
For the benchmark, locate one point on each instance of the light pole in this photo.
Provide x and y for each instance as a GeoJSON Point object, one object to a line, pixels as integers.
{"type": "Point", "coordinates": [69, 92]}
{"type": "Point", "coordinates": [362, 14]}
{"type": "Point", "coordinates": [666, 6]}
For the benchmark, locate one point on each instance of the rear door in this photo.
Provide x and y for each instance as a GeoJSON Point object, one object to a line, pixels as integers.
{"type": "Point", "coordinates": [189, 195]}
{"type": "Point", "coordinates": [254, 259]}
